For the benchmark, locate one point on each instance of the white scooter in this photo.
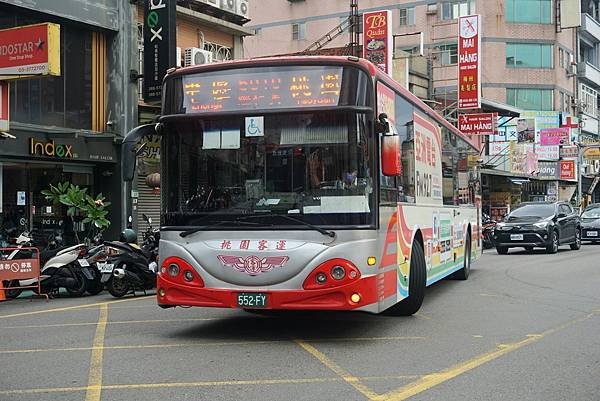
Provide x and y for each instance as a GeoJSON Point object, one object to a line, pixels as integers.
{"type": "Point", "coordinates": [62, 267]}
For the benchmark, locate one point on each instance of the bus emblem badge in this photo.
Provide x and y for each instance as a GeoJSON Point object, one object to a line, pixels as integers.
{"type": "Point", "coordinates": [253, 265]}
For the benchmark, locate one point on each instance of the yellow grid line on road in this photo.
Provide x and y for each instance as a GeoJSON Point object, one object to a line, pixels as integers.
{"type": "Point", "coordinates": [202, 384]}
{"type": "Point", "coordinates": [94, 388]}
{"type": "Point", "coordinates": [337, 369]}
{"type": "Point", "coordinates": [199, 344]}
{"type": "Point", "coordinates": [67, 308]}
{"type": "Point", "coordinates": [43, 326]}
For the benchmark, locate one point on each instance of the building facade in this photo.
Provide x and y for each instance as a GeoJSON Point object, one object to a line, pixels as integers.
{"type": "Point", "coordinates": [212, 31]}
{"type": "Point", "coordinates": [68, 127]}
{"type": "Point", "coordinates": [528, 69]}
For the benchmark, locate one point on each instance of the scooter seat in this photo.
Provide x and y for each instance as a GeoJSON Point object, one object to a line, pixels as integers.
{"type": "Point", "coordinates": [47, 254]}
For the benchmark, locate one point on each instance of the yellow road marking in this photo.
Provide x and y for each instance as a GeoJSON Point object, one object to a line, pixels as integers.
{"type": "Point", "coordinates": [338, 370]}
{"type": "Point", "coordinates": [74, 307]}
{"type": "Point", "coordinates": [43, 326]}
{"type": "Point", "coordinates": [94, 388]}
{"type": "Point", "coordinates": [199, 344]}
{"type": "Point", "coordinates": [431, 380]}
{"type": "Point", "coordinates": [203, 384]}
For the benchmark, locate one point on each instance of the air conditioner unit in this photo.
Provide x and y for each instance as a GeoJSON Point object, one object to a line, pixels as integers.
{"type": "Point", "coordinates": [572, 69]}
{"type": "Point", "coordinates": [243, 8]}
{"type": "Point", "coordinates": [178, 56]}
{"type": "Point", "coordinates": [195, 56]}
{"type": "Point", "coordinates": [432, 9]}
{"type": "Point", "coordinates": [229, 6]}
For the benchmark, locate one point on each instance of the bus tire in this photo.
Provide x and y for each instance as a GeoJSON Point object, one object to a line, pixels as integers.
{"type": "Point", "coordinates": [416, 284]}
{"type": "Point", "coordinates": [463, 273]}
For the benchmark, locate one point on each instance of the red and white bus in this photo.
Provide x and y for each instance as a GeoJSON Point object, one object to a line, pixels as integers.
{"type": "Point", "coordinates": [307, 183]}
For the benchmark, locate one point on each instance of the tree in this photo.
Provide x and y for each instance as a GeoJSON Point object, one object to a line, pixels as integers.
{"type": "Point", "coordinates": [79, 202]}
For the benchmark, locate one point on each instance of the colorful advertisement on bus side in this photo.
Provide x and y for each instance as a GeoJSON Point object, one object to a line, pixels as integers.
{"type": "Point", "coordinates": [377, 42]}
{"type": "Point", "coordinates": [428, 162]}
{"type": "Point", "coordinates": [469, 70]}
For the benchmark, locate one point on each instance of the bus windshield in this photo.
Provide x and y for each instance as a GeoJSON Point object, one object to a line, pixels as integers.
{"type": "Point", "coordinates": [315, 166]}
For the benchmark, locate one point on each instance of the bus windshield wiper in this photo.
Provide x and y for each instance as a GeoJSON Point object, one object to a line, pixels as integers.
{"type": "Point", "coordinates": [290, 218]}
{"type": "Point", "coordinates": [235, 222]}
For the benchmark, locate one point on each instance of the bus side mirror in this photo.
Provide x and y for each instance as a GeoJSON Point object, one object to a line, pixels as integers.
{"type": "Point", "coordinates": [391, 165]}
{"type": "Point", "coordinates": [382, 125]}
{"type": "Point", "coordinates": [128, 150]}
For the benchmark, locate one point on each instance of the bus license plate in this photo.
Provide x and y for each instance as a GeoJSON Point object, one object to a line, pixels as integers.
{"type": "Point", "coordinates": [516, 237]}
{"type": "Point", "coordinates": [592, 233]}
{"type": "Point", "coordinates": [252, 300]}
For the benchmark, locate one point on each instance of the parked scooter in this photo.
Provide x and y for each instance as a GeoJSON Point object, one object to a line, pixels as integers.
{"type": "Point", "coordinates": [129, 267]}
{"type": "Point", "coordinates": [61, 267]}
{"type": "Point", "coordinates": [95, 254]}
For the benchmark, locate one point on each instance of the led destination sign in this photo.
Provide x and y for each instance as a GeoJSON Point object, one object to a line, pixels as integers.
{"type": "Point", "coordinates": [253, 89]}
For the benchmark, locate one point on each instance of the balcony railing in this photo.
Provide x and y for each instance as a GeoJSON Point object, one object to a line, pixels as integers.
{"type": "Point", "coordinates": [588, 72]}
{"type": "Point", "coordinates": [590, 27]}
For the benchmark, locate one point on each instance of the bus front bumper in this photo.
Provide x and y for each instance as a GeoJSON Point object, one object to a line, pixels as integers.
{"type": "Point", "coordinates": [355, 295]}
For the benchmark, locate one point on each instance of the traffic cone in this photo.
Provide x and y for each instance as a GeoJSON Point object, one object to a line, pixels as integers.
{"type": "Point", "coordinates": [2, 295]}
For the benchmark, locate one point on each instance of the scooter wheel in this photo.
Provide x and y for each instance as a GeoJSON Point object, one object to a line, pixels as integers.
{"type": "Point", "coordinates": [12, 293]}
{"type": "Point", "coordinates": [117, 287]}
{"type": "Point", "coordinates": [79, 290]}
{"type": "Point", "coordinates": [95, 286]}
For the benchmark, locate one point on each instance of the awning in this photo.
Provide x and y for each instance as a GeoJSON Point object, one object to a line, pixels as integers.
{"type": "Point", "coordinates": [489, 106]}
{"type": "Point", "coordinates": [518, 181]}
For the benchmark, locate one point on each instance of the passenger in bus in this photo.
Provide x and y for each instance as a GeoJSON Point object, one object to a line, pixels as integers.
{"type": "Point", "coordinates": [316, 168]}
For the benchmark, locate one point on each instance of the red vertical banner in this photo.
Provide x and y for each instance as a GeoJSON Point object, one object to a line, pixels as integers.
{"type": "Point", "coordinates": [377, 39]}
{"type": "Point", "coordinates": [469, 56]}
{"type": "Point", "coordinates": [4, 125]}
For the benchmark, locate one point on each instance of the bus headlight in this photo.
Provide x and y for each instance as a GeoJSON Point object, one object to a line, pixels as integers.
{"type": "Point", "coordinates": [338, 272]}
{"type": "Point", "coordinates": [321, 278]}
{"type": "Point", "coordinates": [173, 270]}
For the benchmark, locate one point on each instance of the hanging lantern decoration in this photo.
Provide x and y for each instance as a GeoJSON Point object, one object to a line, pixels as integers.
{"type": "Point", "coordinates": [153, 181]}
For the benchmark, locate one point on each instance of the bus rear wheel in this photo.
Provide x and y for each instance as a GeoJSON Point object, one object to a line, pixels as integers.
{"type": "Point", "coordinates": [416, 285]}
{"type": "Point", "coordinates": [463, 273]}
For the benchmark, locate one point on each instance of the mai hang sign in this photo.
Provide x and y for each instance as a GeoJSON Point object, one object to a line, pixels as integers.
{"type": "Point", "coordinates": [478, 124]}
{"type": "Point", "coordinates": [469, 71]}
{"type": "Point", "coordinates": [30, 50]}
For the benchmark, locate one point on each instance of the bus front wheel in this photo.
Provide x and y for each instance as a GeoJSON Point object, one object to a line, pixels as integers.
{"type": "Point", "coordinates": [416, 285]}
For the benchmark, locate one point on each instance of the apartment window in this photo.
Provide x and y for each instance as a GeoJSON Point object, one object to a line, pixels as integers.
{"type": "Point", "coordinates": [407, 16]}
{"type": "Point", "coordinates": [299, 31]}
{"type": "Point", "coordinates": [529, 99]}
{"type": "Point", "coordinates": [589, 98]}
{"type": "Point", "coordinates": [528, 55]}
{"type": "Point", "coordinates": [448, 54]}
{"type": "Point", "coordinates": [529, 11]}
{"type": "Point", "coordinates": [453, 10]}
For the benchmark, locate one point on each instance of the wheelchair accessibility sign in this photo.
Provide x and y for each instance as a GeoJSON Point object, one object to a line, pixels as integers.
{"type": "Point", "coordinates": [255, 126]}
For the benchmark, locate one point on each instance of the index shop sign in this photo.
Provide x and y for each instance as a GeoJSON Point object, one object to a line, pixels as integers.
{"type": "Point", "coordinates": [469, 69]}
{"type": "Point", "coordinates": [30, 50]}
{"type": "Point", "coordinates": [50, 149]}
{"type": "Point", "coordinates": [159, 45]}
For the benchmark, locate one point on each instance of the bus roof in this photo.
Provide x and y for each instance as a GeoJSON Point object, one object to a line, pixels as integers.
{"type": "Point", "coordinates": [362, 63]}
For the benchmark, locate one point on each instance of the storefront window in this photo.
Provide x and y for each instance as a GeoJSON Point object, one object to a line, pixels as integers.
{"type": "Point", "coordinates": [63, 101]}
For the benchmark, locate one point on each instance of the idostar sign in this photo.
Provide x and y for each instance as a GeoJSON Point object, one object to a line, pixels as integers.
{"type": "Point", "coordinates": [30, 50]}
{"type": "Point", "coordinates": [469, 71]}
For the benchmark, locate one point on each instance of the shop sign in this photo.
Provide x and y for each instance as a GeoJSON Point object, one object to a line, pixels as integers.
{"type": "Point", "coordinates": [548, 170]}
{"type": "Point", "coordinates": [591, 154]}
{"type": "Point", "coordinates": [469, 72]}
{"type": "Point", "coordinates": [498, 148]}
{"type": "Point", "coordinates": [50, 149]}
{"type": "Point", "coordinates": [523, 159]}
{"type": "Point", "coordinates": [567, 169]}
{"type": "Point", "coordinates": [30, 50]}
{"type": "Point", "coordinates": [159, 45]}
{"type": "Point", "coordinates": [551, 152]}
{"type": "Point", "coordinates": [569, 151]}
{"type": "Point", "coordinates": [377, 41]}
{"type": "Point", "coordinates": [477, 124]}
{"type": "Point", "coordinates": [555, 136]}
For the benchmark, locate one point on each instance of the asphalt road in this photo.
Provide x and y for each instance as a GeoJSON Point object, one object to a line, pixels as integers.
{"type": "Point", "coordinates": [523, 327]}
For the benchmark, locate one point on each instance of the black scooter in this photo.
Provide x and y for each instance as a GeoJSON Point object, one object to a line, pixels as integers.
{"type": "Point", "coordinates": [128, 266]}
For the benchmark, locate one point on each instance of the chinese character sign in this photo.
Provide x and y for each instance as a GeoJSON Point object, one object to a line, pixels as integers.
{"type": "Point", "coordinates": [377, 39]}
{"type": "Point", "coordinates": [469, 75]}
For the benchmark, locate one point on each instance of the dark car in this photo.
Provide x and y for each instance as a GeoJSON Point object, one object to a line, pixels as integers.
{"type": "Point", "coordinates": [590, 223]}
{"type": "Point", "coordinates": [539, 224]}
